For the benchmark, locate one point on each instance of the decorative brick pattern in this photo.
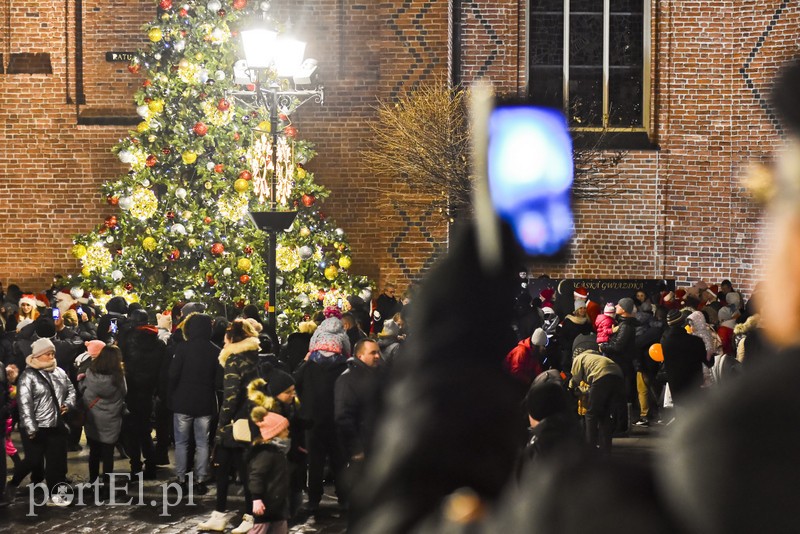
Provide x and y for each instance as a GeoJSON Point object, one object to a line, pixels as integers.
{"type": "Point", "coordinates": [680, 213]}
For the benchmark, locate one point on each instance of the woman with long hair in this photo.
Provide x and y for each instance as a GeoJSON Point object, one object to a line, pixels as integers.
{"type": "Point", "coordinates": [104, 391]}
{"type": "Point", "coordinates": [239, 360]}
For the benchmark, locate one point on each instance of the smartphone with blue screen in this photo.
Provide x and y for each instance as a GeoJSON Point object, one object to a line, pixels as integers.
{"type": "Point", "coordinates": [524, 173]}
{"type": "Point", "coordinates": [56, 314]}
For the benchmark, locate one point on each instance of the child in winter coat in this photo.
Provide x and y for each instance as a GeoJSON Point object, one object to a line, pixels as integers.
{"type": "Point", "coordinates": [268, 471]}
{"type": "Point", "coordinates": [604, 324]}
{"type": "Point", "coordinates": [12, 373]}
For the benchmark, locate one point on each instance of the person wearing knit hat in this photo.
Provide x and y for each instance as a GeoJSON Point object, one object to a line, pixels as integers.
{"type": "Point", "coordinates": [604, 323]}
{"type": "Point", "coordinates": [84, 360]}
{"type": "Point", "coordinates": [523, 362]}
{"type": "Point", "coordinates": [316, 379]}
{"type": "Point", "coordinates": [684, 357]}
{"type": "Point", "coordinates": [625, 307]}
{"type": "Point", "coordinates": [554, 427]}
{"type": "Point", "coordinates": [40, 416]}
{"type": "Point", "coordinates": [268, 472]}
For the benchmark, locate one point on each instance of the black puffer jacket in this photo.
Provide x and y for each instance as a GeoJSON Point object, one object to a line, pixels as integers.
{"type": "Point", "coordinates": [684, 356]}
{"type": "Point", "coordinates": [194, 370]}
{"type": "Point", "coordinates": [144, 355]}
{"type": "Point", "coordinates": [315, 386]}
{"type": "Point", "coordinates": [622, 346]}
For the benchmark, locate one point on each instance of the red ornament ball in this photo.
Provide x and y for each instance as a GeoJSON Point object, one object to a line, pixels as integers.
{"type": "Point", "coordinates": [223, 105]}
{"type": "Point", "coordinates": [200, 129]}
{"type": "Point", "coordinates": [248, 250]}
{"type": "Point", "coordinates": [217, 249]}
{"type": "Point", "coordinates": [147, 83]}
{"type": "Point", "coordinates": [221, 12]}
{"type": "Point", "coordinates": [207, 220]}
{"type": "Point", "coordinates": [308, 200]}
{"type": "Point", "coordinates": [183, 12]}
{"type": "Point", "coordinates": [245, 175]}
{"type": "Point", "coordinates": [290, 131]}
{"type": "Point", "coordinates": [112, 200]}
{"type": "Point", "coordinates": [244, 278]}
{"type": "Point", "coordinates": [111, 221]}
{"type": "Point", "coordinates": [219, 167]}
{"type": "Point", "coordinates": [151, 161]}
{"type": "Point", "coordinates": [128, 286]}
{"type": "Point", "coordinates": [174, 255]}
{"type": "Point", "coordinates": [165, 4]}
{"type": "Point", "coordinates": [236, 136]}
{"type": "Point", "coordinates": [211, 282]}
{"type": "Point", "coordinates": [239, 4]}
{"type": "Point", "coordinates": [170, 215]}
{"type": "Point", "coordinates": [133, 68]}
{"type": "Point", "coordinates": [240, 304]}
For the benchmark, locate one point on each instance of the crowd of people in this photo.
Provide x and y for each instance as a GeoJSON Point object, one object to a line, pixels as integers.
{"type": "Point", "coordinates": [225, 394]}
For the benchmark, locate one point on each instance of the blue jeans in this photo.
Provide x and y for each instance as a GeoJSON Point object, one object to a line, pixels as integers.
{"type": "Point", "coordinates": [184, 425]}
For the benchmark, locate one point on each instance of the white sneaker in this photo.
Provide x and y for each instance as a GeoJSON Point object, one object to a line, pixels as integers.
{"type": "Point", "coordinates": [216, 522]}
{"type": "Point", "coordinates": [245, 526]}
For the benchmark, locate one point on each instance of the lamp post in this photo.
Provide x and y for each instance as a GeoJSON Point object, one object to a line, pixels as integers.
{"type": "Point", "coordinates": [266, 52]}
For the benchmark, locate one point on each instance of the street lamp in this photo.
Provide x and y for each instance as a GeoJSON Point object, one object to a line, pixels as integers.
{"type": "Point", "coordinates": [267, 53]}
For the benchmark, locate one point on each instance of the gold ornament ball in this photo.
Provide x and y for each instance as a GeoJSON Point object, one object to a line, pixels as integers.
{"type": "Point", "coordinates": [305, 232]}
{"type": "Point", "coordinates": [79, 251]}
{"type": "Point", "coordinates": [331, 271]}
{"type": "Point", "coordinates": [156, 106]}
{"type": "Point", "coordinates": [301, 173]}
{"type": "Point", "coordinates": [241, 185]}
{"type": "Point", "coordinates": [264, 126]}
{"type": "Point", "coordinates": [86, 271]}
{"type": "Point", "coordinates": [154, 34]}
{"type": "Point", "coordinates": [244, 264]}
{"type": "Point", "coordinates": [208, 185]}
{"type": "Point", "coordinates": [142, 127]}
{"type": "Point", "coordinates": [149, 244]}
{"type": "Point", "coordinates": [188, 157]}
{"type": "Point", "coordinates": [345, 262]}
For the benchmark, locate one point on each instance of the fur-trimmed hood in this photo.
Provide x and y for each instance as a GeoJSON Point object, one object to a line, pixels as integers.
{"type": "Point", "coordinates": [750, 324]}
{"type": "Point", "coordinates": [245, 345]}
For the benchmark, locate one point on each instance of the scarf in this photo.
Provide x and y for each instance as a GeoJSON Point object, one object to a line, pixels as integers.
{"type": "Point", "coordinates": [39, 365]}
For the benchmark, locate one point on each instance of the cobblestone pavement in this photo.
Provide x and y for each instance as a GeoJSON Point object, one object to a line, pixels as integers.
{"type": "Point", "coordinates": [151, 517]}
{"type": "Point", "coordinates": [150, 513]}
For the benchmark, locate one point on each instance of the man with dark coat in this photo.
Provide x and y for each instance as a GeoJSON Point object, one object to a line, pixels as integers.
{"type": "Point", "coordinates": [684, 357]}
{"type": "Point", "coordinates": [352, 328]}
{"type": "Point", "coordinates": [622, 349]}
{"type": "Point", "coordinates": [143, 354]}
{"type": "Point", "coordinates": [353, 395]}
{"type": "Point", "coordinates": [117, 309]}
{"type": "Point", "coordinates": [386, 306]}
{"type": "Point", "coordinates": [193, 375]}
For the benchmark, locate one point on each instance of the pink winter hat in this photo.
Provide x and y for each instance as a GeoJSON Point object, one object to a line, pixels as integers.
{"type": "Point", "coordinates": [609, 309]}
{"type": "Point", "coordinates": [94, 347]}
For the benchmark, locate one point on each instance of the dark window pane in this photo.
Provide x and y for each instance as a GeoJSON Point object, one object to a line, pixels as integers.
{"type": "Point", "coordinates": [627, 6]}
{"type": "Point", "coordinates": [547, 85]}
{"type": "Point", "coordinates": [625, 95]}
{"type": "Point", "coordinates": [625, 40]}
{"type": "Point", "coordinates": [547, 40]}
{"type": "Point", "coordinates": [586, 6]}
{"type": "Point", "coordinates": [586, 39]}
{"type": "Point", "coordinates": [586, 96]}
{"type": "Point", "coordinates": [548, 5]}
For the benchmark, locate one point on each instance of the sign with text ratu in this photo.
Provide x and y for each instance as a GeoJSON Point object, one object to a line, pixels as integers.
{"type": "Point", "coordinates": [120, 56]}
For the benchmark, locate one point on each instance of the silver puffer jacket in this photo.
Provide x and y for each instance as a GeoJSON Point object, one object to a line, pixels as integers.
{"type": "Point", "coordinates": [36, 408]}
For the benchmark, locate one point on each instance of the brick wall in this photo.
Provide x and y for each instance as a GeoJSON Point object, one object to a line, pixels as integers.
{"type": "Point", "coordinates": [680, 212]}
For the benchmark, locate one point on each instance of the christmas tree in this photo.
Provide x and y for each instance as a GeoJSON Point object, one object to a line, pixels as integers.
{"type": "Point", "coordinates": [183, 232]}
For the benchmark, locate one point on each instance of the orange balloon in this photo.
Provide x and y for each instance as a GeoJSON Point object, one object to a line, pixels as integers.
{"type": "Point", "coordinates": [655, 352]}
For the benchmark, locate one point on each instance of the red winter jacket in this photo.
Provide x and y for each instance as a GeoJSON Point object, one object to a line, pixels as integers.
{"type": "Point", "coordinates": [521, 363]}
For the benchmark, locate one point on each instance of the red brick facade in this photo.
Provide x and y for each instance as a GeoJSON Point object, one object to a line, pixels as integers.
{"type": "Point", "coordinates": [680, 213]}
